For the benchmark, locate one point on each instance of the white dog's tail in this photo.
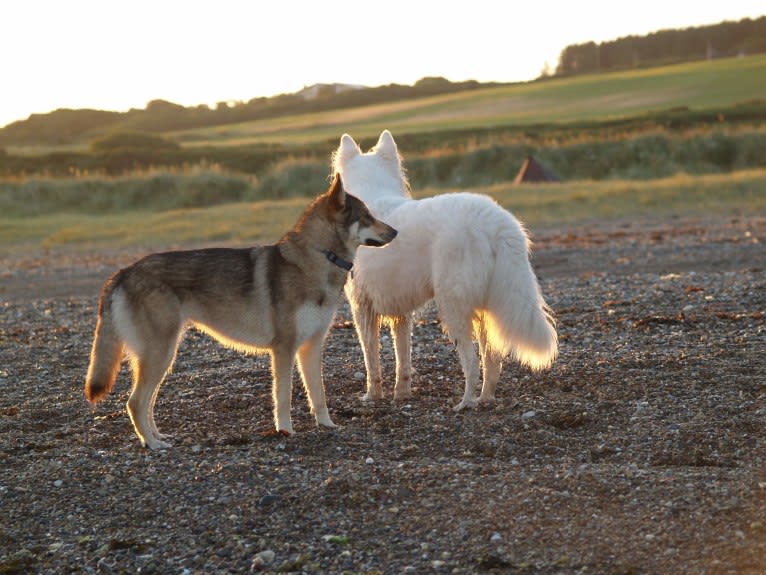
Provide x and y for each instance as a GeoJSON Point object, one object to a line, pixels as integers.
{"type": "Point", "coordinates": [517, 321]}
{"type": "Point", "coordinates": [107, 352]}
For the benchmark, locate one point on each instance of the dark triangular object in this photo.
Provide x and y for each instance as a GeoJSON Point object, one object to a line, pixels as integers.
{"type": "Point", "coordinates": [534, 171]}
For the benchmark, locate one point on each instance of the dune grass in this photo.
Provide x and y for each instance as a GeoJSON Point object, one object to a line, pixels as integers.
{"type": "Point", "coordinates": [649, 156]}
{"type": "Point", "coordinates": [230, 223]}
{"type": "Point", "coordinates": [154, 190]}
{"type": "Point", "coordinates": [538, 205]}
{"type": "Point", "coordinates": [577, 202]}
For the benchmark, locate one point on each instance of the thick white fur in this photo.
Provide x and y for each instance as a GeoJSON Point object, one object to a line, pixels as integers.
{"type": "Point", "coordinates": [461, 249]}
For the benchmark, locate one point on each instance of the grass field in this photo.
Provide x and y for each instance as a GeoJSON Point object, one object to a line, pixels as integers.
{"type": "Point", "coordinates": [538, 205]}
{"type": "Point", "coordinates": [699, 85]}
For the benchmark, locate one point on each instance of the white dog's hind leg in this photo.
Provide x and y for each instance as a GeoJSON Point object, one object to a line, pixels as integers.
{"type": "Point", "coordinates": [470, 363]}
{"type": "Point", "coordinates": [492, 365]}
{"type": "Point", "coordinates": [368, 328]}
{"type": "Point", "coordinates": [310, 366]}
{"type": "Point", "coordinates": [401, 329]}
{"type": "Point", "coordinates": [460, 330]}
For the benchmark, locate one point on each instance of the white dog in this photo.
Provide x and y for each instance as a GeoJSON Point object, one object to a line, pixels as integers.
{"type": "Point", "coordinates": [462, 250]}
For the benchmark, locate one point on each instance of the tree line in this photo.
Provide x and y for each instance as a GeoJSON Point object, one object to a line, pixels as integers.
{"type": "Point", "coordinates": [722, 40]}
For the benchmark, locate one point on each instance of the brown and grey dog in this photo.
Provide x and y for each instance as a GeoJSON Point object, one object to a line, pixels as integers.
{"type": "Point", "coordinates": [278, 298]}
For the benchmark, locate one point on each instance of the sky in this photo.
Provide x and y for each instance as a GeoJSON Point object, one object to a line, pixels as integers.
{"type": "Point", "coordinates": [117, 54]}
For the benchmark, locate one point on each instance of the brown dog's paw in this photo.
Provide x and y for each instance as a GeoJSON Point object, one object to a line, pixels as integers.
{"type": "Point", "coordinates": [274, 432]}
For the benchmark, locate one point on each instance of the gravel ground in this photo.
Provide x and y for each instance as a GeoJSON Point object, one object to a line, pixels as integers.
{"type": "Point", "coordinates": [641, 451]}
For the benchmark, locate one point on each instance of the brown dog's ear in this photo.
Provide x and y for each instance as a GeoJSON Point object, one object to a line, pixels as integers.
{"type": "Point", "coordinates": [337, 193]}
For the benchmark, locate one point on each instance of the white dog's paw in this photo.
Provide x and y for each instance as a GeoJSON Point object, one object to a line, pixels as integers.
{"type": "Point", "coordinates": [466, 404]}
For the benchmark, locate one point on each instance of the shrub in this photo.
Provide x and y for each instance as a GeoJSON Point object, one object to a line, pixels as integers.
{"type": "Point", "coordinates": [133, 142]}
{"type": "Point", "coordinates": [294, 178]}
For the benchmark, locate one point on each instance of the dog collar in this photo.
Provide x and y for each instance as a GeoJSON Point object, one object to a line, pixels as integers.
{"type": "Point", "coordinates": [334, 258]}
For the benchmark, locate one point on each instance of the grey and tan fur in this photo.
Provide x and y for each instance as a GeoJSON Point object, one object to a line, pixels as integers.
{"type": "Point", "coordinates": [277, 298]}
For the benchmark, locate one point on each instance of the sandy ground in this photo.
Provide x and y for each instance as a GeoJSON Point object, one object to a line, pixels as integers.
{"type": "Point", "coordinates": [641, 451]}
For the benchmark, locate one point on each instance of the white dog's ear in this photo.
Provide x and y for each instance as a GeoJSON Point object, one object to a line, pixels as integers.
{"type": "Point", "coordinates": [348, 149]}
{"type": "Point", "coordinates": [386, 146]}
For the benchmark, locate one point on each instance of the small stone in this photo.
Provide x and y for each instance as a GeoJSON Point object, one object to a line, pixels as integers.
{"type": "Point", "coordinates": [528, 415]}
{"type": "Point", "coordinates": [369, 461]}
{"type": "Point", "coordinates": [496, 538]}
{"type": "Point", "coordinates": [358, 375]}
{"type": "Point", "coordinates": [58, 483]}
{"type": "Point", "coordinates": [262, 559]}
{"type": "Point", "coordinates": [268, 500]}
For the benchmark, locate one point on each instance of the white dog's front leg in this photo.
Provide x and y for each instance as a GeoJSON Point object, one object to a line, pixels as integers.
{"type": "Point", "coordinates": [470, 363]}
{"type": "Point", "coordinates": [282, 388]}
{"type": "Point", "coordinates": [310, 365]}
{"type": "Point", "coordinates": [368, 328]}
{"type": "Point", "coordinates": [401, 328]}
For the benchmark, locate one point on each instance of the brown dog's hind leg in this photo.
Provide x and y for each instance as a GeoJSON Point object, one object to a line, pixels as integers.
{"type": "Point", "coordinates": [148, 373]}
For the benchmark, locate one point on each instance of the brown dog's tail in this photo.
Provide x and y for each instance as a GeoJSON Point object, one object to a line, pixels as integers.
{"type": "Point", "coordinates": [107, 352]}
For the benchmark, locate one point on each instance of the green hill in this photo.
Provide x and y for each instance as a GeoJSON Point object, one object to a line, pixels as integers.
{"type": "Point", "coordinates": [697, 86]}
{"type": "Point", "coordinates": [558, 102]}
